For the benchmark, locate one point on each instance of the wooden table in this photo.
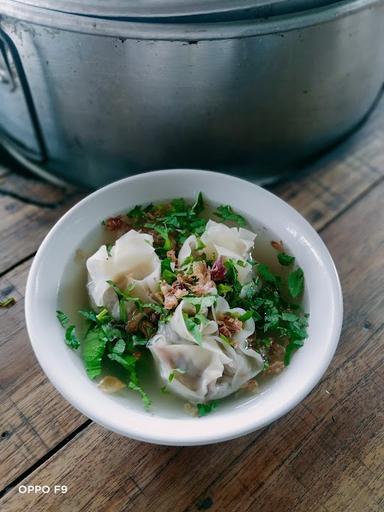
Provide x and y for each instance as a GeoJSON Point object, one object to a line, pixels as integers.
{"type": "Point", "coordinates": [327, 455]}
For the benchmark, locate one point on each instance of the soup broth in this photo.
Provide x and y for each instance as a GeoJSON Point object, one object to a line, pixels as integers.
{"type": "Point", "coordinates": [73, 296]}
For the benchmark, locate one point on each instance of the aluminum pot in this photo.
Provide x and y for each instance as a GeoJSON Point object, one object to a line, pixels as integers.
{"type": "Point", "coordinates": [92, 99]}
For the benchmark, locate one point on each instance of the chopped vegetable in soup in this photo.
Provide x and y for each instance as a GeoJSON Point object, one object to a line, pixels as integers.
{"type": "Point", "coordinates": [188, 289]}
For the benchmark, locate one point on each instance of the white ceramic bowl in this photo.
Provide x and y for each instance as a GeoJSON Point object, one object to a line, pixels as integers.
{"type": "Point", "coordinates": [51, 270]}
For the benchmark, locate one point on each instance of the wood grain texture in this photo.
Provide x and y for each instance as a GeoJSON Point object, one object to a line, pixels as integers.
{"type": "Point", "coordinates": [34, 417]}
{"type": "Point", "coordinates": [25, 222]}
{"type": "Point", "coordinates": [324, 455]}
{"type": "Point", "coordinates": [17, 363]}
{"type": "Point", "coordinates": [327, 455]}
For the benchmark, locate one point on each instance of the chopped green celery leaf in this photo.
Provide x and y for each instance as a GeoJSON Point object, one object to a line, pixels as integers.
{"type": "Point", "coordinates": [193, 327]}
{"type": "Point", "coordinates": [249, 290]}
{"type": "Point", "coordinates": [136, 212]}
{"type": "Point", "coordinates": [296, 282]}
{"type": "Point", "coordinates": [205, 301]}
{"type": "Point", "coordinates": [9, 301]}
{"type": "Point", "coordinates": [62, 318]}
{"type": "Point", "coordinates": [285, 259]}
{"type": "Point", "coordinates": [127, 361]}
{"type": "Point", "coordinates": [198, 206]}
{"type": "Point", "coordinates": [225, 213]}
{"type": "Point", "coordinates": [289, 317]}
{"type": "Point", "coordinates": [103, 316]}
{"type": "Point", "coordinates": [110, 332]}
{"type": "Point", "coordinates": [120, 293]}
{"type": "Point", "coordinates": [290, 349]}
{"type": "Point", "coordinates": [256, 316]}
{"type": "Point", "coordinates": [179, 205]}
{"type": "Point", "coordinates": [145, 398]}
{"type": "Point", "coordinates": [167, 244]}
{"type": "Point", "coordinates": [123, 311]}
{"type": "Point", "coordinates": [246, 316]}
{"type": "Point", "coordinates": [88, 315]}
{"type": "Point", "coordinates": [164, 233]}
{"type": "Point", "coordinates": [197, 226]}
{"type": "Point", "coordinates": [150, 207]}
{"type": "Point", "coordinates": [166, 271]}
{"type": "Point", "coordinates": [93, 350]}
{"type": "Point", "coordinates": [265, 273]}
{"type": "Point", "coordinates": [232, 277]}
{"type": "Point", "coordinates": [225, 339]}
{"type": "Point", "coordinates": [172, 375]}
{"type": "Point", "coordinates": [138, 340]}
{"type": "Point", "coordinates": [204, 409]}
{"type": "Point", "coordinates": [223, 289]}
{"type": "Point", "coordinates": [200, 244]}
{"type": "Point", "coordinates": [168, 276]}
{"type": "Point", "coordinates": [119, 347]}
{"type": "Point", "coordinates": [71, 338]}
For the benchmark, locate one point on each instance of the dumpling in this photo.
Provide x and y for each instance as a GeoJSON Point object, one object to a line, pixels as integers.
{"type": "Point", "coordinates": [195, 369]}
{"type": "Point", "coordinates": [210, 370]}
{"type": "Point", "coordinates": [221, 241]}
{"type": "Point", "coordinates": [132, 260]}
{"type": "Point", "coordinates": [245, 364]}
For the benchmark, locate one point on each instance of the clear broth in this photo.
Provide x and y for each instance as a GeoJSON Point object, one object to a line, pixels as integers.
{"type": "Point", "coordinates": [72, 297]}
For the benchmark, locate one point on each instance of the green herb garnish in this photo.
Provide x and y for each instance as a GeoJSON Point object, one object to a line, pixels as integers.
{"type": "Point", "coordinates": [285, 259]}
{"type": "Point", "coordinates": [265, 272]}
{"type": "Point", "coordinates": [246, 316]}
{"type": "Point", "coordinates": [94, 346]}
{"type": "Point", "coordinates": [166, 271]}
{"type": "Point", "coordinates": [62, 318]}
{"type": "Point", "coordinates": [296, 282]}
{"type": "Point", "coordinates": [204, 409]}
{"type": "Point", "coordinates": [9, 301]}
{"type": "Point", "coordinates": [70, 336]}
{"type": "Point", "coordinates": [225, 213]}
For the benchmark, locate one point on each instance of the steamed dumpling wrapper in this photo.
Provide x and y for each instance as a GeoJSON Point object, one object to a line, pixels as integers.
{"type": "Point", "coordinates": [221, 241]}
{"type": "Point", "coordinates": [178, 322]}
{"type": "Point", "coordinates": [132, 260]}
{"type": "Point", "coordinates": [210, 370]}
{"type": "Point", "coordinates": [194, 368]}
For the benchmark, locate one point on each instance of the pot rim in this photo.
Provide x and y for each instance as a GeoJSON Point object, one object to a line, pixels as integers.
{"type": "Point", "coordinates": [176, 10]}
{"type": "Point", "coordinates": [183, 32]}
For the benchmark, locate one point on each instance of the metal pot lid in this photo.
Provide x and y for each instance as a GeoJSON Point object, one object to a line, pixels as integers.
{"type": "Point", "coordinates": [152, 10]}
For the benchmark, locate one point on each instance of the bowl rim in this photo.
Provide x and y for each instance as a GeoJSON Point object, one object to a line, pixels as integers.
{"type": "Point", "coordinates": [168, 438]}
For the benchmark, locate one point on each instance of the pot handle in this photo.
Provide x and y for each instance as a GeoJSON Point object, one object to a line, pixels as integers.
{"type": "Point", "coordinates": [7, 47]}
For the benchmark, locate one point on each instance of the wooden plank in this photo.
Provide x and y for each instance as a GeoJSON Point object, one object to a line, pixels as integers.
{"type": "Point", "coordinates": [33, 191]}
{"type": "Point", "coordinates": [315, 458]}
{"type": "Point", "coordinates": [34, 417]}
{"type": "Point", "coordinates": [28, 208]}
{"type": "Point", "coordinates": [28, 186]}
{"type": "Point", "coordinates": [328, 189]}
